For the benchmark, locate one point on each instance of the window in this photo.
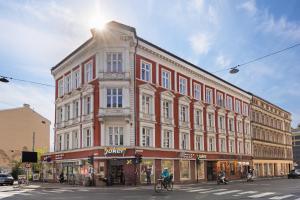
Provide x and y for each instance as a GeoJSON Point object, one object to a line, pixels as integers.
{"type": "Point", "coordinates": [182, 86]}
{"type": "Point", "coordinates": [237, 106]}
{"type": "Point", "coordinates": [146, 104]}
{"type": "Point", "coordinates": [67, 141]}
{"type": "Point", "coordinates": [59, 115]}
{"type": "Point", "coordinates": [68, 112]}
{"type": "Point", "coordinates": [245, 109]}
{"type": "Point", "coordinates": [223, 145]}
{"type": "Point", "coordinates": [87, 137]}
{"type": "Point", "coordinates": [59, 143]}
{"type": "Point", "coordinates": [211, 144]}
{"type": "Point", "coordinates": [229, 103]}
{"type": "Point", "coordinates": [60, 87]}
{"type": "Point", "coordinates": [166, 79]}
{"type": "Point", "coordinates": [220, 100]}
{"type": "Point", "coordinates": [146, 71]}
{"type": "Point", "coordinates": [231, 146]}
{"type": "Point", "coordinates": [210, 120]}
{"type": "Point", "coordinates": [167, 107]}
{"type": "Point", "coordinates": [240, 127]}
{"type": "Point", "coordinates": [114, 98]}
{"type": "Point", "coordinates": [76, 109]}
{"type": "Point", "coordinates": [231, 125]}
{"type": "Point", "coordinates": [68, 83]}
{"type": "Point", "coordinates": [146, 137]}
{"type": "Point", "coordinates": [208, 95]}
{"type": "Point", "coordinates": [76, 79]}
{"type": "Point", "coordinates": [184, 140]}
{"type": "Point", "coordinates": [199, 142]}
{"type": "Point", "coordinates": [248, 149]}
{"type": "Point", "coordinates": [116, 137]}
{"type": "Point", "coordinates": [197, 91]}
{"type": "Point", "coordinates": [114, 62]}
{"type": "Point", "coordinates": [183, 113]}
{"type": "Point", "coordinates": [184, 169]}
{"type": "Point", "coordinates": [87, 105]}
{"type": "Point", "coordinates": [88, 69]}
{"type": "Point", "coordinates": [167, 139]}
{"type": "Point", "coordinates": [240, 147]}
{"type": "Point", "coordinates": [75, 139]}
{"type": "Point", "coordinates": [221, 122]}
{"type": "Point", "coordinates": [198, 117]}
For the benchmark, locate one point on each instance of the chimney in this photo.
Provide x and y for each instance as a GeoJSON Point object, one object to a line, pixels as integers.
{"type": "Point", "coordinates": [25, 105]}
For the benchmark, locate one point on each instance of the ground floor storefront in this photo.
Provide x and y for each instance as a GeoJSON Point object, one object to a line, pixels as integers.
{"type": "Point", "coordinates": [120, 166]}
{"type": "Point", "coordinates": [265, 168]}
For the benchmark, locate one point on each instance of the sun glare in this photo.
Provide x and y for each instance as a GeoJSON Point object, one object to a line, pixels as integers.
{"type": "Point", "coordinates": [97, 22]}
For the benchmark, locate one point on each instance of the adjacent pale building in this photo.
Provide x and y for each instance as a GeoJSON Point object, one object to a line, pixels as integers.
{"type": "Point", "coordinates": [271, 138]}
{"type": "Point", "coordinates": [21, 129]}
{"type": "Point", "coordinates": [296, 146]}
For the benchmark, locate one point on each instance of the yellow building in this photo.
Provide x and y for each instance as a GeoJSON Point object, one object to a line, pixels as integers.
{"type": "Point", "coordinates": [21, 129]}
{"type": "Point", "coordinates": [271, 138]}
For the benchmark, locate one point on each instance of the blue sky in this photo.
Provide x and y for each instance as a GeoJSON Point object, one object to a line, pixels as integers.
{"type": "Point", "coordinates": [214, 34]}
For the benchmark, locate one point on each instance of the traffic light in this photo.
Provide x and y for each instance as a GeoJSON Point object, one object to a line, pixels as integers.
{"type": "Point", "coordinates": [91, 159]}
{"type": "Point", "coordinates": [138, 158]}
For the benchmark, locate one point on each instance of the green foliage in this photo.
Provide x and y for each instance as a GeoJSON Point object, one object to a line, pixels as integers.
{"type": "Point", "coordinates": [17, 169]}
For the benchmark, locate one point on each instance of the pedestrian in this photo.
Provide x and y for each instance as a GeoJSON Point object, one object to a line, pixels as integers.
{"type": "Point", "coordinates": [148, 176]}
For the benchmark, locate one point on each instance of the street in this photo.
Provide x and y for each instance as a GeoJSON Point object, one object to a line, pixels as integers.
{"type": "Point", "coordinates": [262, 189]}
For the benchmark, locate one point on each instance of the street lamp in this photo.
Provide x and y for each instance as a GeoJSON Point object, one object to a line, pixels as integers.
{"type": "Point", "coordinates": [4, 79]}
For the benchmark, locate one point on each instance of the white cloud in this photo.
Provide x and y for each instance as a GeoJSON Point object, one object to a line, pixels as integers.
{"type": "Point", "coordinates": [222, 61]}
{"type": "Point", "coordinates": [200, 43]}
{"type": "Point", "coordinates": [197, 5]}
{"type": "Point", "coordinates": [249, 7]}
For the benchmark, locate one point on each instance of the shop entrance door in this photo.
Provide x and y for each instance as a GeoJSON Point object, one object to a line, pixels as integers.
{"type": "Point", "coordinates": [211, 170]}
{"type": "Point", "coordinates": [116, 172]}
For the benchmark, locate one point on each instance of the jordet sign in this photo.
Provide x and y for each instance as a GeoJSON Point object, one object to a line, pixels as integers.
{"type": "Point", "coordinates": [114, 150]}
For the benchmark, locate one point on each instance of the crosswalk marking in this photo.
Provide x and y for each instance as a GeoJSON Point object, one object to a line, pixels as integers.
{"type": "Point", "coordinates": [261, 195]}
{"type": "Point", "coordinates": [209, 191]}
{"type": "Point", "coordinates": [282, 197]}
{"type": "Point", "coordinates": [227, 192]}
{"type": "Point", "coordinates": [198, 190]}
{"type": "Point", "coordinates": [247, 192]}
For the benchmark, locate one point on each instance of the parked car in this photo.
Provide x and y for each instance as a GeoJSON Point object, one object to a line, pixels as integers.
{"type": "Point", "coordinates": [6, 179]}
{"type": "Point", "coordinates": [295, 173]}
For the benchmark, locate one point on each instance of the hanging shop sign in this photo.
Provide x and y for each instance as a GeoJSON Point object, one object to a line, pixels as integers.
{"type": "Point", "coordinates": [114, 150]}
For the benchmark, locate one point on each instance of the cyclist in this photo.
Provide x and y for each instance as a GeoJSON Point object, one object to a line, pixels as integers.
{"type": "Point", "coordinates": [165, 175]}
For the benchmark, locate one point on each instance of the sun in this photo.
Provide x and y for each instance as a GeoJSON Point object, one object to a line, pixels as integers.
{"type": "Point", "coordinates": [97, 22]}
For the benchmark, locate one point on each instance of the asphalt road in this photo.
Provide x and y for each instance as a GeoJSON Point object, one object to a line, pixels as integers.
{"type": "Point", "coordinates": [268, 189]}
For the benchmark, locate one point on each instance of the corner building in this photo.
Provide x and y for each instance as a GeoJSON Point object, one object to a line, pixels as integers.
{"type": "Point", "coordinates": [118, 95]}
{"type": "Point", "coordinates": [272, 139]}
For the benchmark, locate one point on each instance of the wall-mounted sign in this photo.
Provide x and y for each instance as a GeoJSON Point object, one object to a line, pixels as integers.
{"type": "Point", "coordinates": [201, 156]}
{"type": "Point", "coordinates": [59, 156]}
{"type": "Point", "coordinates": [186, 155]}
{"type": "Point", "coordinates": [114, 150]}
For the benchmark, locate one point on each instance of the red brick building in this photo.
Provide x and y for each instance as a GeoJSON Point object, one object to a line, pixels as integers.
{"type": "Point", "coordinates": [118, 95]}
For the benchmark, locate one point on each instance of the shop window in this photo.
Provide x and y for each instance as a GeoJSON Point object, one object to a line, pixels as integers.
{"type": "Point", "coordinates": [168, 164]}
{"type": "Point", "coordinates": [232, 169]}
{"type": "Point", "coordinates": [184, 169]}
{"type": "Point", "coordinates": [147, 165]}
{"type": "Point", "coordinates": [200, 170]}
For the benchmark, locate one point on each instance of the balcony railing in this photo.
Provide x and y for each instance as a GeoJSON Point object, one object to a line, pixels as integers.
{"type": "Point", "coordinates": [111, 112]}
{"type": "Point", "coordinates": [114, 76]}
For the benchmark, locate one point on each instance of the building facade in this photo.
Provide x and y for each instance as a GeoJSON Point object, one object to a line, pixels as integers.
{"type": "Point", "coordinates": [271, 138]}
{"type": "Point", "coordinates": [296, 146]}
{"type": "Point", "coordinates": [119, 95]}
{"type": "Point", "coordinates": [21, 129]}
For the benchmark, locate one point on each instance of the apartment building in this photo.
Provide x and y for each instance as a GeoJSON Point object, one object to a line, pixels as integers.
{"type": "Point", "coordinates": [296, 146]}
{"type": "Point", "coordinates": [271, 138]}
{"type": "Point", "coordinates": [118, 95]}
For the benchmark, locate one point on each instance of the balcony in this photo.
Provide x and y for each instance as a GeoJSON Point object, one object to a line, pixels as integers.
{"type": "Point", "coordinates": [114, 76]}
{"type": "Point", "coordinates": [114, 112]}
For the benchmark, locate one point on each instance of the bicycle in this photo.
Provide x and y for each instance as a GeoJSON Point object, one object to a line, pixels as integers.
{"type": "Point", "coordinates": [161, 185]}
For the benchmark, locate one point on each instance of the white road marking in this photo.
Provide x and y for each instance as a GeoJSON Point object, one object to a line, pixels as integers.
{"type": "Point", "coordinates": [283, 197]}
{"type": "Point", "coordinates": [227, 192]}
{"type": "Point", "coordinates": [247, 192]}
{"type": "Point", "coordinates": [261, 195]}
{"type": "Point", "coordinates": [198, 190]}
{"type": "Point", "coordinates": [209, 191]}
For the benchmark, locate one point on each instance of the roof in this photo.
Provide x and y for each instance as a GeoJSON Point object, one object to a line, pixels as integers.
{"type": "Point", "coordinates": [268, 102]}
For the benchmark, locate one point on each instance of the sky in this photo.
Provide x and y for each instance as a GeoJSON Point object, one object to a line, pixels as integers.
{"type": "Point", "coordinates": [213, 34]}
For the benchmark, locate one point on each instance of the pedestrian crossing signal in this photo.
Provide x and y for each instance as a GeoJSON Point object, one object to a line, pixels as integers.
{"type": "Point", "coordinates": [138, 158]}
{"type": "Point", "coordinates": [91, 160]}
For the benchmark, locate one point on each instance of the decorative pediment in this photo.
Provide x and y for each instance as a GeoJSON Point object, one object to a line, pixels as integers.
{"type": "Point", "coordinates": [167, 93]}
{"type": "Point", "coordinates": [185, 99]}
{"type": "Point", "coordinates": [199, 104]}
{"type": "Point", "coordinates": [147, 86]}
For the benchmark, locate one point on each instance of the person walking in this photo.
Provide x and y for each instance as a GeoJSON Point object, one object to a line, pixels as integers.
{"type": "Point", "coordinates": [148, 176]}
